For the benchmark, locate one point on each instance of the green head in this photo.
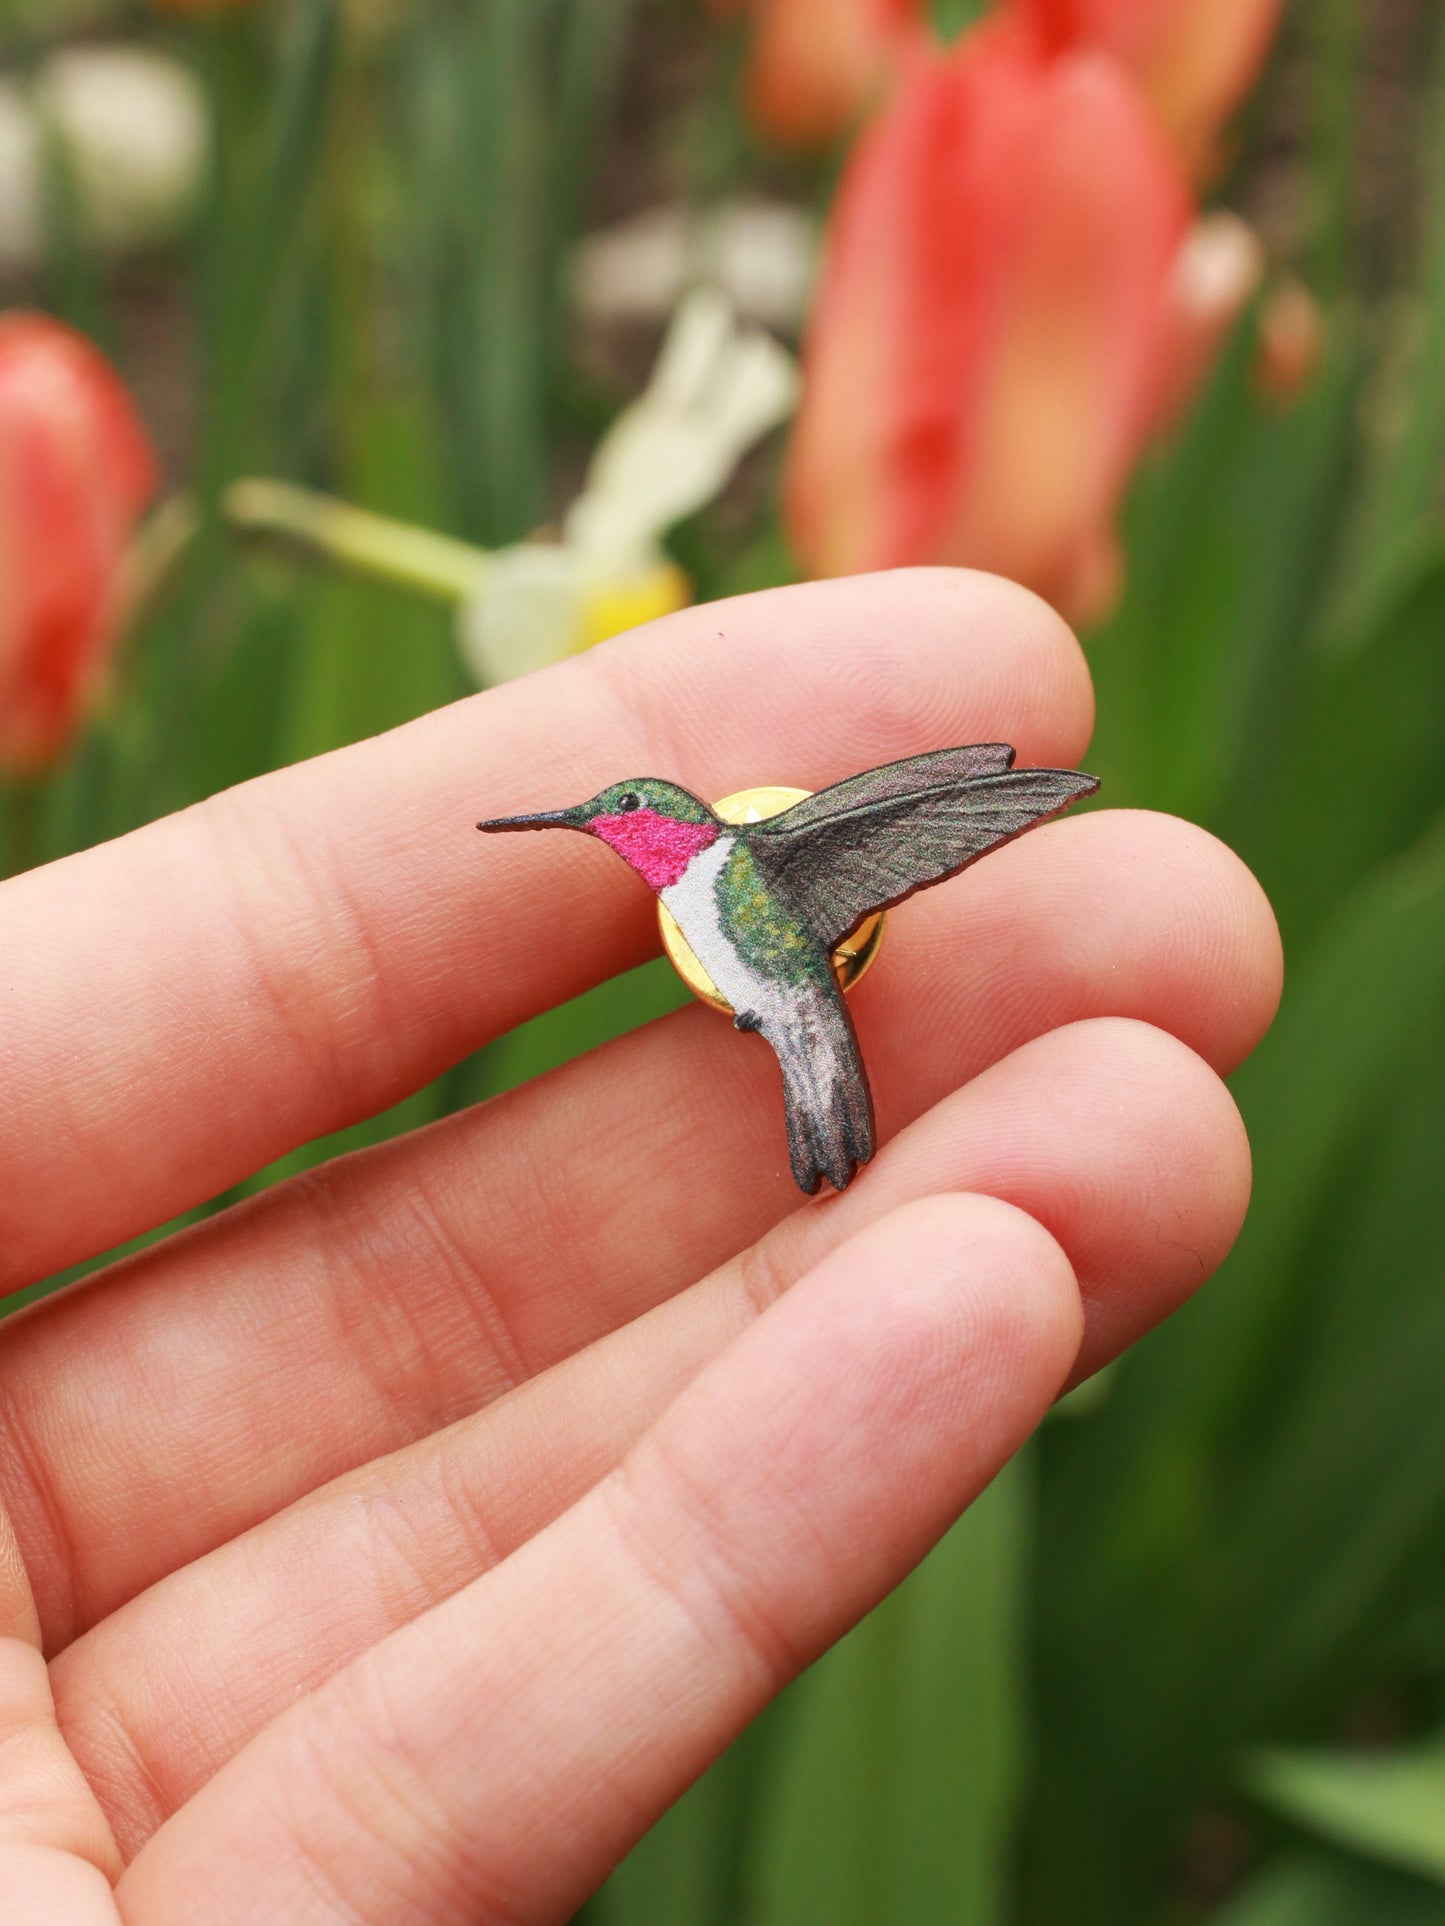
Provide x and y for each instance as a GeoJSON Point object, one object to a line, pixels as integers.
{"type": "Point", "coordinates": [655, 826]}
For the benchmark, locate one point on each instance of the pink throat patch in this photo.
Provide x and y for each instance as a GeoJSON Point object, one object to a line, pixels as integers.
{"type": "Point", "coordinates": [658, 848]}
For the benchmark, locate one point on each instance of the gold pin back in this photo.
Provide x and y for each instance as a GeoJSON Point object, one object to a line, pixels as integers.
{"type": "Point", "coordinates": [850, 958]}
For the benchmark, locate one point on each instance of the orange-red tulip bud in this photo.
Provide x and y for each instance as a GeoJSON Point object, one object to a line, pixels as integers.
{"type": "Point", "coordinates": [815, 66]}
{"type": "Point", "coordinates": [76, 472]}
{"type": "Point", "coordinates": [1194, 59]}
{"type": "Point", "coordinates": [1292, 343]}
{"type": "Point", "coordinates": [1011, 304]}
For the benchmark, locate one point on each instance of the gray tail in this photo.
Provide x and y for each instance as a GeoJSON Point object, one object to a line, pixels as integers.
{"type": "Point", "coordinates": [825, 1088]}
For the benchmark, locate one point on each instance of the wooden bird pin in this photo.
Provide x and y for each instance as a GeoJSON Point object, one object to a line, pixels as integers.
{"type": "Point", "coordinates": [764, 904]}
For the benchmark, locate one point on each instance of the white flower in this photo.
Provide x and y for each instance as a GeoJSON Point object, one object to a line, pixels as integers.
{"type": "Point", "coordinates": [716, 390]}
{"type": "Point", "coordinates": [133, 129]}
{"type": "Point", "coordinates": [763, 255]}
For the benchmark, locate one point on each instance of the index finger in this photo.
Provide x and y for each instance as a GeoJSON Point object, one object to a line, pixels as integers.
{"type": "Point", "coordinates": [198, 998]}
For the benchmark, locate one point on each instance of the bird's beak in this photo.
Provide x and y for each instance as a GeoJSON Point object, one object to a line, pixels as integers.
{"type": "Point", "coordinates": [543, 819]}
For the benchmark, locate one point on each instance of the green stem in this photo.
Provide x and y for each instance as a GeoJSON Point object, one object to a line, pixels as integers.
{"type": "Point", "coordinates": [154, 559]}
{"type": "Point", "coordinates": [355, 538]}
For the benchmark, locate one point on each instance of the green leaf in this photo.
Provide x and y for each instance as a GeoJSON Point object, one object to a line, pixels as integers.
{"type": "Point", "coordinates": [1402, 482]}
{"type": "Point", "coordinates": [895, 1797]}
{"type": "Point", "coordinates": [370, 658]}
{"type": "Point", "coordinates": [1363, 768]}
{"type": "Point", "coordinates": [1318, 1889]}
{"type": "Point", "coordinates": [237, 713]}
{"type": "Point", "coordinates": [1334, 30]}
{"type": "Point", "coordinates": [593, 50]}
{"type": "Point", "coordinates": [265, 193]}
{"type": "Point", "coordinates": [485, 83]}
{"type": "Point", "coordinates": [1219, 1535]}
{"type": "Point", "coordinates": [1227, 533]}
{"type": "Point", "coordinates": [1391, 1807]}
{"type": "Point", "coordinates": [1337, 1486]}
{"type": "Point", "coordinates": [1356, 1007]}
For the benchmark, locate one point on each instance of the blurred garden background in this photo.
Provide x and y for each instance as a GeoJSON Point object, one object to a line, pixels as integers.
{"type": "Point", "coordinates": [359, 352]}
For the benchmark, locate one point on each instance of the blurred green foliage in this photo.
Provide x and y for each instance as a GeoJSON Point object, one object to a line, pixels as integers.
{"type": "Point", "coordinates": [1061, 1717]}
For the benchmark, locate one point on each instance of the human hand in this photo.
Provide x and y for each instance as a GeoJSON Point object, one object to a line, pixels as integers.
{"type": "Point", "coordinates": [403, 1541]}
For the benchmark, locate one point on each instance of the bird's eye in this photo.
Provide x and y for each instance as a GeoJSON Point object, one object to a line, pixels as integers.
{"type": "Point", "coordinates": [629, 801]}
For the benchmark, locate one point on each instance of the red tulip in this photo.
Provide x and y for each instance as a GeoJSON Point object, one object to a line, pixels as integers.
{"type": "Point", "coordinates": [1013, 299]}
{"type": "Point", "coordinates": [1195, 59]}
{"type": "Point", "coordinates": [814, 66]}
{"type": "Point", "coordinates": [76, 471]}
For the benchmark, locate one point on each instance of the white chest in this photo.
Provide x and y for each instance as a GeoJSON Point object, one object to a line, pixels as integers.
{"type": "Point", "coordinates": [693, 905]}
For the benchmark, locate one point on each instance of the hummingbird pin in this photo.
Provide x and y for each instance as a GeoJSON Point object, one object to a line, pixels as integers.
{"type": "Point", "coordinates": [764, 904]}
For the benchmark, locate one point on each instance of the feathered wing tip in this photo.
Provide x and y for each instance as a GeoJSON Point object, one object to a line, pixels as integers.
{"type": "Point", "coordinates": [894, 781]}
{"type": "Point", "coordinates": [837, 864]}
{"type": "Point", "coordinates": [828, 1104]}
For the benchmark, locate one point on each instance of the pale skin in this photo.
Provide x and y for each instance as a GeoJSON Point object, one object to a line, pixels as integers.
{"type": "Point", "coordinates": [397, 1547]}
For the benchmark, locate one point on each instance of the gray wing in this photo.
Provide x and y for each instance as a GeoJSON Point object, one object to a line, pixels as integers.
{"type": "Point", "coordinates": [878, 845]}
{"type": "Point", "coordinates": [911, 777]}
